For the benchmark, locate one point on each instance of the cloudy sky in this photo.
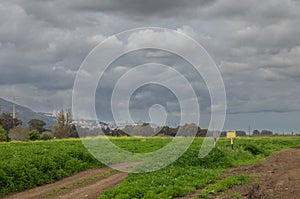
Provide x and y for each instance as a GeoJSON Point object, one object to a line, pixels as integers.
{"type": "Point", "coordinates": [255, 44]}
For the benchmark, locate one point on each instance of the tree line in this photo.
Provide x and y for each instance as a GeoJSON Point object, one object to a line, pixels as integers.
{"type": "Point", "coordinates": [12, 129]}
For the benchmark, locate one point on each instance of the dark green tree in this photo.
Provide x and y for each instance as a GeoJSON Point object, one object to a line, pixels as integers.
{"type": "Point", "coordinates": [73, 131]}
{"type": "Point", "coordinates": [240, 133]}
{"type": "Point", "coordinates": [266, 132]}
{"type": "Point", "coordinates": [36, 124]}
{"type": "Point", "coordinates": [7, 121]}
{"type": "Point", "coordinates": [256, 132]}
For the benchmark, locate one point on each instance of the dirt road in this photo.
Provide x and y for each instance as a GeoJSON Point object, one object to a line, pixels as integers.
{"type": "Point", "coordinates": [87, 184]}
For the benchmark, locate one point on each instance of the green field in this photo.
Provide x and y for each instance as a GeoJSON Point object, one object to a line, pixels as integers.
{"type": "Point", "coordinates": [24, 165]}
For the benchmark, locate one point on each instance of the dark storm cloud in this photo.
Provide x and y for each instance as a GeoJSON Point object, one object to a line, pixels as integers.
{"type": "Point", "coordinates": [254, 43]}
{"type": "Point", "coordinates": [133, 8]}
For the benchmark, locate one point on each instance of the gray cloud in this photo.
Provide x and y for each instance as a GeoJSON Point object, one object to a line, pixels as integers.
{"type": "Point", "coordinates": [254, 43]}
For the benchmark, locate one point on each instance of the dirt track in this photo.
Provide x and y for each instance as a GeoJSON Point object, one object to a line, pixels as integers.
{"type": "Point", "coordinates": [279, 177]}
{"type": "Point", "coordinates": [90, 190]}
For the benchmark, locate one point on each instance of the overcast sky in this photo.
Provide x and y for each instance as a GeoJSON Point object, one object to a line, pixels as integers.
{"type": "Point", "coordinates": [255, 44]}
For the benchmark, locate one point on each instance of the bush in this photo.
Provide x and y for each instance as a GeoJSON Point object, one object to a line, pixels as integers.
{"type": "Point", "coordinates": [254, 149]}
{"type": "Point", "coordinates": [34, 135]}
{"type": "Point", "coordinates": [19, 133]}
{"type": "Point", "coordinates": [3, 135]}
{"type": "Point", "coordinates": [47, 135]}
{"type": "Point", "coordinates": [24, 165]}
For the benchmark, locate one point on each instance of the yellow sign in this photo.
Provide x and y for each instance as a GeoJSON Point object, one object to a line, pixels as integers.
{"type": "Point", "coordinates": [231, 134]}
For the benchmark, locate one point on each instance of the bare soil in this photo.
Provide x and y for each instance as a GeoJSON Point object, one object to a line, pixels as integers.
{"type": "Point", "coordinates": [277, 177]}
{"type": "Point", "coordinates": [90, 190]}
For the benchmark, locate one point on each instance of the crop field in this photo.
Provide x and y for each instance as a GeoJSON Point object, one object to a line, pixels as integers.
{"type": "Point", "coordinates": [24, 165]}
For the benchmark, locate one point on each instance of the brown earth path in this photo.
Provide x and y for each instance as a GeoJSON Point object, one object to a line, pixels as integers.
{"type": "Point", "coordinates": [91, 189]}
{"type": "Point", "coordinates": [277, 177]}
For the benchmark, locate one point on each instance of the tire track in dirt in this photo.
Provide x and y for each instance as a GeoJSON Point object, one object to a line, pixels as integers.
{"type": "Point", "coordinates": [90, 190]}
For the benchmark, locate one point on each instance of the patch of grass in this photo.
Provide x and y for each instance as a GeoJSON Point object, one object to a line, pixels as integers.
{"type": "Point", "coordinates": [103, 174]}
{"type": "Point", "coordinates": [224, 184]}
{"type": "Point", "coordinates": [236, 195]}
{"type": "Point", "coordinates": [55, 191]}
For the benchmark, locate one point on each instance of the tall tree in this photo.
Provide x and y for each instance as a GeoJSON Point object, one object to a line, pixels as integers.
{"type": "Point", "coordinates": [7, 121]}
{"type": "Point", "coordinates": [63, 126]}
{"type": "Point", "coordinates": [36, 124]}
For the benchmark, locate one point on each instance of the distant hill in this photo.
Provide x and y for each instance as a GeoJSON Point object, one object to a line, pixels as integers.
{"type": "Point", "coordinates": [26, 114]}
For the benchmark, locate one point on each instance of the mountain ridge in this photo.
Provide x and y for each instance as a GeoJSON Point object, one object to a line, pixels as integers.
{"type": "Point", "coordinates": [25, 114]}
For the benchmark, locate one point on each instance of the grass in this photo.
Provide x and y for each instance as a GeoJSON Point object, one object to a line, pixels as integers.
{"type": "Point", "coordinates": [236, 195]}
{"type": "Point", "coordinates": [103, 174]}
{"type": "Point", "coordinates": [56, 191]}
{"type": "Point", "coordinates": [224, 184]}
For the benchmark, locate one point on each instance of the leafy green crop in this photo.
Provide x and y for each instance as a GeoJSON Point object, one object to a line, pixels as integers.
{"type": "Point", "coordinates": [190, 173]}
{"type": "Point", "coordinates": [224, 184]}
{"type": "Point", "coordinates": [24, 165]}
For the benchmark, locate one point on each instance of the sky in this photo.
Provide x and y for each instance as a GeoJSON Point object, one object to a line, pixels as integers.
{"type": "Point", "coordinates": [255, 45]}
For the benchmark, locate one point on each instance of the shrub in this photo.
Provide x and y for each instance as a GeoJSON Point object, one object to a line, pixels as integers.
{"type": "Point", "coordinates": [3, 135]}
{"type": "Point", "coordinates": [19, 133]}
{"type": "Point", "coordinates": [254, 149]}
{"type": "Point", "coordinates": [47, 135]}
{"type": "Point", "coordinates": [34, 135]}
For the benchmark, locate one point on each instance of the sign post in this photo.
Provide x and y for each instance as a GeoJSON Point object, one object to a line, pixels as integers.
{"type": "Point", "coordinates": [215, 134]}
{"type": "Point", "coordinates": [231, 135]}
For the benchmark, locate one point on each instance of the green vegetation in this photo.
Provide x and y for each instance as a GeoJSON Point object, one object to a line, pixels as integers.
{"type": "Point", "coordinates": [24, 165]}
{"type": "Point", "coordinates": [236, 195]}
{"type": "Point", "coordinates": [56, 191]}
{"type": "Point", "coordinates": [103, 174]}
{"type": "Point", "coordinates": [47, 135]}
{"type": "Point", "coordinates": [190, 173]}
{"type": "Point", "coordinates": [222, 185]}
{"type": "Point", "coordinates": [3, 135]}
{"type": "Point", "coordinates": [34, 135]}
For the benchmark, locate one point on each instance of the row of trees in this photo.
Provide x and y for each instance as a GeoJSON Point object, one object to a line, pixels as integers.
{"type": "Point", "coordinates": [263, 132]}
{"type": "Point", "coordinates": [12, 129]}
